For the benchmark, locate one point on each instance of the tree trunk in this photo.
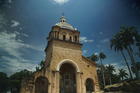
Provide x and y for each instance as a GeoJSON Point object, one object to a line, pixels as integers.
{"type": "Point", "coordinates": [110, 80]}
{"type": "Point", "coordinates": [102, 72]}
{"type": "Point", "coordinates": [127, 65]}
{"type": "Point", "coordinates": [132, 60]}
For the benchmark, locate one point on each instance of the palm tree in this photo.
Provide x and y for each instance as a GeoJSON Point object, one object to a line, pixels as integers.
{"type": "Point", "coordinates": [42, 64]}
{"type": "Point", "coordinates": [94, 57]}
{"type": "Point", "coordinates": [110, 70]}
{"type": "Point", "coordinates": [138, 43]}
{"type": "Point", "coordinates": [37, 68]}
{"type": "Point", "coordinates": [117, 44]}
{"type": "Point", "coordinates": [137, 38]}
{"type": "Point", "coordinates": [122, 74]}
{"type": "Point", "coordinates": [101, 57]}
{"type": "Point", "coordinates": [127, 36]}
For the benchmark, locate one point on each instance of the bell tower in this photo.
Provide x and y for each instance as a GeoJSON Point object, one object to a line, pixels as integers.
{"type": "Point", "coordinates": [63, 37]}
{"type": "Point", "coordinates": [66, 70]}
{"type": "Point", "coordinates": [64, 32]}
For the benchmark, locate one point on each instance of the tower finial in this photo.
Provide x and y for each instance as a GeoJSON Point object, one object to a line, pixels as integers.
{"type": "Point", "coordinates": [62, 19]}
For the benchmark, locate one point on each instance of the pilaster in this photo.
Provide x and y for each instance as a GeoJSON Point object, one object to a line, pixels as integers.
{"type": "Point", "coordinates": [78, 82]}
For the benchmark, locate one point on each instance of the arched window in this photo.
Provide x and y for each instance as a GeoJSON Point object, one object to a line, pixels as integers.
{"type": "Point", "coordinates": [41, 85]}
{"type": "Point", "coordinates": [75, 38]}
{"type": "Point", "coordinates": [64, 37]}
{"type": "Point", "coordinates": [70, 38]}
{"type": "Point", "coordinates": [89, 86]}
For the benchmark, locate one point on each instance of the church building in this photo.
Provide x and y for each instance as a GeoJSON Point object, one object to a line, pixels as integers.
{"type": "Point", "coordinates": [66, 70]}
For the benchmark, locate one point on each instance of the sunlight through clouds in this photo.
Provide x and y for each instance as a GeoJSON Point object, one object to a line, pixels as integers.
{"type": "Point", "coordinates": [61, 1]}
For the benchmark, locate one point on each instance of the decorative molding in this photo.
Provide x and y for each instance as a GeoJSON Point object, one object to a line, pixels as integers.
{"type": "Point", "coordinates": [67, 61]}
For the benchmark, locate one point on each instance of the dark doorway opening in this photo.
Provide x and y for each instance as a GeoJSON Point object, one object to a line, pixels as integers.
{"type": "Point", "coordinates": [67, 78]}
{"type": "Point", "coordinates": [89, 86]}
{"type": "Point", "coordinates": [41, 85]}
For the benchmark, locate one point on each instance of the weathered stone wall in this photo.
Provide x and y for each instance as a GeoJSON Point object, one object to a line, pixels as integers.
{"type": "Point", "coordinates": [59, 52]}
{"type": "Point", "coordinates": [58, 33]}
{"type": "Point", "coordinates": [69, 51]}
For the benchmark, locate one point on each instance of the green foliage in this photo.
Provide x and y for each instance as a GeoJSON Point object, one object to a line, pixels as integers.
{"type": "Point", "coordinates": [37, 68]}
{"type": "Point", "coordinates": [110, 69]}
{"type": "Point", "coordinates": [122, 41]}
{"type": "Point", "coordinates": [93, 57]}
{"type": "Point", "coordinates": [123, 74]}
{"type": "Point", "coordinates": [102, 55]}
{"type": "Point", "coordinates": [20, 75]}
{"type": "Point", "coordinates": [137, 66]}
{"type": "Point", "coordinates": [110, 76]}
{"type": "Point", "coordinates": [124, 38]}
{"type": "Point", "coordinates": [3, 75]}
{"type": "Point", "coordinates": [16, 79]}
{"type": "Point", "coordinates": [4, 82]}
{"type": "Point", "coordinates": [13, 82]}
{"type": "Point", "coordinates": [40, 66]}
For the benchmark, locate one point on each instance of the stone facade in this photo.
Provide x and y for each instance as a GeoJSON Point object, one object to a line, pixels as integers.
{"type": "Point", "coordinates": [63, 48]}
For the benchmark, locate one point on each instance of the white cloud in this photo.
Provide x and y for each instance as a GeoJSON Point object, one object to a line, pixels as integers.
{"type": "Point", "coordinates": [114, 64]}
{"type": "Point", "coordinates": [10, 1]}
{"type": "Point", "coordinates": [10, 43]}
{"type": "Point", "coordinates": [106, 40]}
{"type": "Point", "coordinates": [15, 23]}
{"type": "Point", "coordinates": [61, 1]}
{"type": "Point", "coordinates": [100, 33]}
{"type": "Point", "coordinates": [96, 53]}
{"type": "Point", "coordinates": [12, 58]}
{"type": "Point", "coordinates": [14, 65]}
{"type": "Point", "coordinates": [85, 40]}
{"type": "Point", "coordinates": [117, 67]}
{"type": "Point", "coordinates": [2, 20]}
{"type": "Point", "coordinates": [85, 52]}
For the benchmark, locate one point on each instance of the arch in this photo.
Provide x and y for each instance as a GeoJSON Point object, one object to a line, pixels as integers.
{"type": "Point", "coordinates": [68, 82]}
{"type": "Point", "coordinates": [75, 38]}
{"type": "Point", "coordinates": [41, 85]}
{"type": "Point", "coordinates": [90, 87]}
{"type": "Point", "coordinates": [64, 37]}
{"type": "Point", "coordinates": [70, 38]}
{"type": "Point", "coordinates": [67, 61]}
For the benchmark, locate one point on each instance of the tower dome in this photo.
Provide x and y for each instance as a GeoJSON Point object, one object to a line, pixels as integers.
{"type": "Point", "coordinates": [63, 24]}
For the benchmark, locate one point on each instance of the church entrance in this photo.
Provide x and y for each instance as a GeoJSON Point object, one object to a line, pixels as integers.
{"type": "Point", "coordinates": [89, 86]}
{"type": "Point", "coordinates": [67, 78]}
{"type": "Point", "coordinates": [41, 85]}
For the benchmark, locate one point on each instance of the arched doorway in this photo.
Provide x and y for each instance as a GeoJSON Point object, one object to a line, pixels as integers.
{"type": "Point", "coordinates": [89, 86]}
{"type": "Point", "coordinates": [41, 85]}
{"type": "Point", "coordinates": [67, 78]}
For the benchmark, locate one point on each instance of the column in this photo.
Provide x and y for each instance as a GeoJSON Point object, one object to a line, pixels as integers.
{"type": "Point", "coordinates": [83, 87]}
{"type": "Point", "coordinates": [97, 88]}
{"type": "Point", "coordinates": [58, 35]}
{"type": "Point", "coordinates": [78, 82]}
{"type": "Point", "coordinates": [57, 78]}
{"type": "Point", "coordinates": [50, 83]}
{"type": "Point", "coordinates": [33, 91]}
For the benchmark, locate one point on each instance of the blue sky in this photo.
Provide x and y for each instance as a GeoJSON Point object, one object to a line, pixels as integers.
{"type": "Point", "coordinates": [26, 24]}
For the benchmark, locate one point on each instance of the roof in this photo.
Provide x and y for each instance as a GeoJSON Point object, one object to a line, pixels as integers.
{"type": "Point", "coordinates": [63, 24]}
{"type": "Point", "coordinates": [89, 61]}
